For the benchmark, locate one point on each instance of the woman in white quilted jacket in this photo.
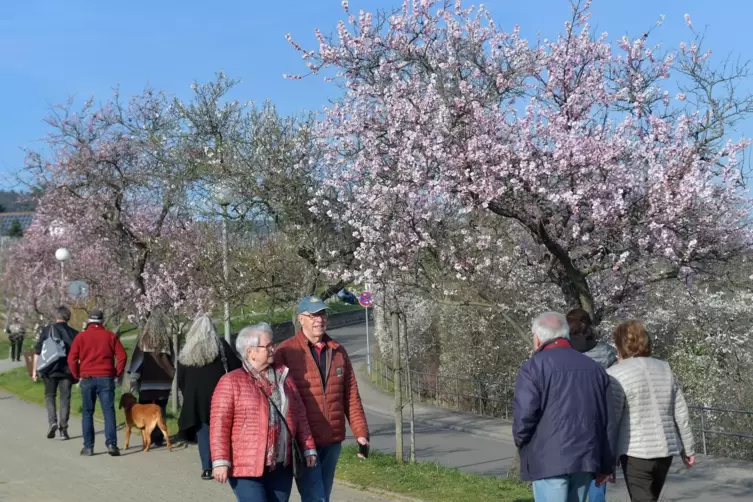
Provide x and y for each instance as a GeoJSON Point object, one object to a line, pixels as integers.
{"type": "Point", "coordinates": [653, 418]}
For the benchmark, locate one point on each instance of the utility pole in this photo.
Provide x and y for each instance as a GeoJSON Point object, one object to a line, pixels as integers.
{"type": "Point", "coordinates": [411, 410]}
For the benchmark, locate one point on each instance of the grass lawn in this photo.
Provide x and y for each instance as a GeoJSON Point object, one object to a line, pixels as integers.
{"type": "Point", "coordinates": [17, 382]}
{"type": "Point", "coordinates": [425, 480]}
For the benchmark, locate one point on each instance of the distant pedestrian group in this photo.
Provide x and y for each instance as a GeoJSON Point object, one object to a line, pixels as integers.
{"type": "Point", "coordinates": [580, 411]}
{"type": "Point", "coordinates": [262, 415]}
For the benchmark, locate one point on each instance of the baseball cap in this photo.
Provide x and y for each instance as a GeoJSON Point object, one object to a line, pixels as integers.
{"type": "Point", "coordinates": [311, 305]}
{"type": "Point", "coordinates": [96, 316]}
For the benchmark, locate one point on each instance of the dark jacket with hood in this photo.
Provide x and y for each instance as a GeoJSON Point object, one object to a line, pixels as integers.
{"type": "Point", "coordinates": [600, 352]}
{"type": "Point", "coordinates": [152, 373]}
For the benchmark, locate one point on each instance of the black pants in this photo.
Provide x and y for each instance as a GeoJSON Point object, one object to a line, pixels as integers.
{"type": "Point", "coordinates": [16, 348]}
{"type": "Point", "coordinates": [51, 387]}
{"type": "Point", "coordinates": [645, 477]}
{"type": "Point", "coordinates": [157, 437]}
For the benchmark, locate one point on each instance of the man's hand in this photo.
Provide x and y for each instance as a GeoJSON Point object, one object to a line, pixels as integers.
{"type": "Point", "coordinates": [34, 376]}
{"type": "Point", "coordinates": [602, 479]}
{"type": "Point", "coordinates": [363, 442]}
{"type": "Point", "coordinates": [310, 460]}
{"type": "Point", "coordinates": [220, 473]}
{"type": "Point", "coordinates": [688, 461]}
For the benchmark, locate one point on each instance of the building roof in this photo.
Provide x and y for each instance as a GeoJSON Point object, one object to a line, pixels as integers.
{"type": "Point", "coordinates": [6, 220]}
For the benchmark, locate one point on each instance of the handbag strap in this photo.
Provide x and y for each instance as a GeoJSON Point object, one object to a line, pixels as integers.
{"type": "Point", "coordinates": [284, 419]}
{"type": "Point", "coordinates": [279, 413]}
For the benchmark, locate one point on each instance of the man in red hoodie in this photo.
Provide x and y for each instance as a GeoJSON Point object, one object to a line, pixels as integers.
{"type": "Point", "coordinates": [97, 358]}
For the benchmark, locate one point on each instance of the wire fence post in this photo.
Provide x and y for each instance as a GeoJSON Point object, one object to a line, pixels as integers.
{"type": "Point", "coordinates": [457, 394]}
{"type": "Point", "coordinates": [703, 430]}
{"type": "Point", "coordinates": [480, 399]}
{"type": "Point", "coordinates": [436, 390]}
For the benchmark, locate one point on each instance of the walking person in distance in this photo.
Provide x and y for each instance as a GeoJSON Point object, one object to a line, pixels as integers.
{"type": "Point", "coordinates": [57, 377]}
{"type": "Point", "coordinates": [561, 416]}
{"type": "Point", "coordinates": [258, 429]}
{"type": "Point", "coordinates": [203, 360]}
{"type": "Point", "coordinates": [324, 376]}
{"type": "Point", "coordinates": [653, 417]}
{"type": "Point", "coordinates": [152, 370]}
{"type": "Point", "coordinates": [583, 338]}
{"type": "Point", "coordinates": [16, 334]}
{"type": "Point", "coordinates": [97, 358]}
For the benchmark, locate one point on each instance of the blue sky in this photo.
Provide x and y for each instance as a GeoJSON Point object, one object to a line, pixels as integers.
{"type": "Point", "coordinates": [50, 50]}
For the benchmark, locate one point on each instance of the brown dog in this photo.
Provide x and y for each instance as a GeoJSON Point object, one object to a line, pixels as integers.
{"type": "Point", "coordinates": [145, 417]}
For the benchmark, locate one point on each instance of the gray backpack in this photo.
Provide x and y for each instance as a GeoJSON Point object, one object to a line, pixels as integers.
{"type": "Point", "coordinates": [53, 350]}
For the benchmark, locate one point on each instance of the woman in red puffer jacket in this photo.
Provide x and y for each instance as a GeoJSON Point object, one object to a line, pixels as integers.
{"type": "Point", "coordinates": [249, 438]}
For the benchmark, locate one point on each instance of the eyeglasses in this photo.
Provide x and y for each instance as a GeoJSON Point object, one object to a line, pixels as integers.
{"type": "Point", "coordinates": [270, 347]}
{"type": "Point", "coordinates": [313, 315]}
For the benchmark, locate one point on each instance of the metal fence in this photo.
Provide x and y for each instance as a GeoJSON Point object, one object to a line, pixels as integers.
{"type": "Point", "coordinates": [718, 430]}
{"type": "Point", "coordinates": [466, 394]}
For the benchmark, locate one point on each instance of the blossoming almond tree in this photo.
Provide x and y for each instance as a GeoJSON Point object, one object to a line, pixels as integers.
{"type": "Point", "coordinates": [578, 143]}
{"type": "Point", "coordinates": [118, 182]}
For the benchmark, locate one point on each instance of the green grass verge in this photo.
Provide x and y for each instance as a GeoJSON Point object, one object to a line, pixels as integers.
{"type": "Point", "coordinates": [426, 480]}
{"type": "Point", "coordinates": [17, 382]}
{"type": "Point", "coordinates": [5, 345]}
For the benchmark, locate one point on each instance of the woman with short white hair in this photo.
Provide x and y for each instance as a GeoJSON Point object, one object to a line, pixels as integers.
{"type": "Point", "coordinates": [258, 424]}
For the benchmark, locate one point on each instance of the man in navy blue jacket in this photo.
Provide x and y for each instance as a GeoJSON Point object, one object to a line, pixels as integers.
{"type": "Point", "coordinates": [562, 415]}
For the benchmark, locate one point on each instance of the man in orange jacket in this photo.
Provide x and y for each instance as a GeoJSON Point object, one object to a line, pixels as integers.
{"type": "Point", "coordinates": [324, 376]}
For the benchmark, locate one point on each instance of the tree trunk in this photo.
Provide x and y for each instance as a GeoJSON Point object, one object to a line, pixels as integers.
{"type": "Point", "coordinates": [411, 409]}
{"type": "Point", "coordinates": [565, 274]}
{"type": "Point", "coordinates": [398, 387]}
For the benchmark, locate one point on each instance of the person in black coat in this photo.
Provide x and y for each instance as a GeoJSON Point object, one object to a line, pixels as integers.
{"type": "Point", "coordinates": [57, 378]}
{"type": "Point", "coordinates": [203, 360]}
{"type": "Point", "coordinates": [152, 367]}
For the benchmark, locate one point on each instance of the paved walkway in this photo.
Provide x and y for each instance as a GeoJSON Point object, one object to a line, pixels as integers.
{"type": "Point", "coordinates": [7, 364]}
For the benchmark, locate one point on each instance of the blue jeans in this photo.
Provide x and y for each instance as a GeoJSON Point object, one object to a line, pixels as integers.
{"type": "Point", "coordinates": [315, 485]}
{"type": "Point", "coordinates": [597, 494]}
{"type": "Point", "coordinates": [570, 488]}
{"type": "Point", "coordinates": [104, 389]}
{"type": "Point", "coordinates": [202, 439]}
{"type": "Point", "coordinates": [272, 486]}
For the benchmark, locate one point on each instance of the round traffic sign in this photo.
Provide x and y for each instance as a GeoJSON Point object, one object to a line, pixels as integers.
{"type": "Point", "coordinates": [365, 299]}
{"type": "Point", "coordinates": [78, 290]}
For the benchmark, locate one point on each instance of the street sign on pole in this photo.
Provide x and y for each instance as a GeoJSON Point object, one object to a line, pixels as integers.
{"type": "Point", "coordinates": [78, 290]}
{"type": "Point", "coordinates": [365, 300]}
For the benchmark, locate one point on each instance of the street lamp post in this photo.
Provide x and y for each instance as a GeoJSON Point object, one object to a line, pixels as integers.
{"type": "Point", "coordinates": [222, 197]}
{"type": "Point", "coordinates": [62, 255]}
